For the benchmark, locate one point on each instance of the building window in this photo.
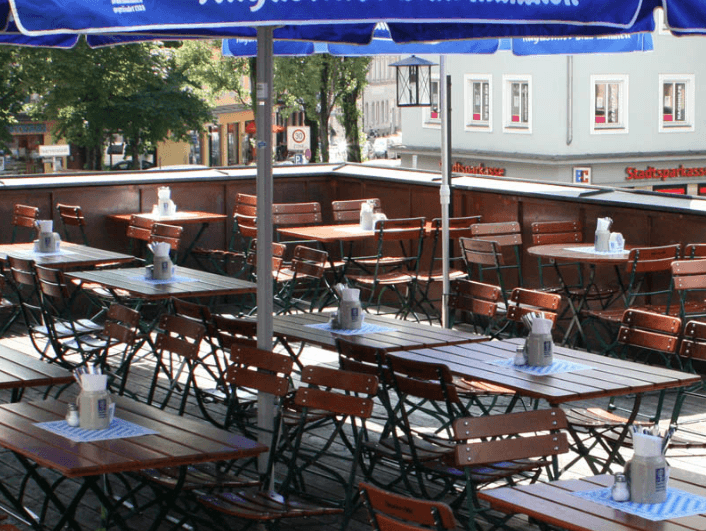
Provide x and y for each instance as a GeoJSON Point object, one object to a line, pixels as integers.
{"type": "Point", "coordinates": [478, 90]}
{"type": "Point", "coordinates": [432, 115]}
{"type": "Point", "coordinates": [517, 104]}
{"type": "Point", "coordinates": [609, 109]}
{"type": "Point", "coordinates": [676, 103]}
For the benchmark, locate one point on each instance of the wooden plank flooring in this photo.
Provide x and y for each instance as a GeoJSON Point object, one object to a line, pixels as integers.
{"type": "Point", "coordinates": [138, 383]}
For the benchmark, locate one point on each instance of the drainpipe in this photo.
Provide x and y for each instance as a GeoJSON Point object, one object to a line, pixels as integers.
{"type": "Point", "coordinates": [569, 99]}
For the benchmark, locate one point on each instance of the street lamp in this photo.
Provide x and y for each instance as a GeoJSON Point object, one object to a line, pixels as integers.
{"type": "Point", "coordinates": [414, 90]}
{"type": "Point", "coordinates": [413, 82]}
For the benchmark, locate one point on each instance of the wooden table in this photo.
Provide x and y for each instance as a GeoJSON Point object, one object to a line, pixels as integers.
{"type": "Point", "coordinates": [72, 255]}
{"type": "Point", "coordinates": [179, 442]}
{"type": "Point", "coordinates": [187, 283]}
{"type": "Point", "coordinates": [181, 218]}
{"type": "Point", "coordinates": [567, 252]}
{"type": "Point", "coordinates": [405, 335]}
{"type": "Point", "coordinates": [19, 371]}
{"type": "Point", "coordinates": [552, 503]}
{"type": "Point", "coordinates": [607, 377]}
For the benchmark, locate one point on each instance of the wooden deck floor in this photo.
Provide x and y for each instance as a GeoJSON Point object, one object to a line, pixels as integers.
{"type": "Point", "coordinates": [11, 471]}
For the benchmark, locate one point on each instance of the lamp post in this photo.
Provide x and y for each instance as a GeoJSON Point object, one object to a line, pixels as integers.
{"type": "Point", "coordinates": [414, 90]}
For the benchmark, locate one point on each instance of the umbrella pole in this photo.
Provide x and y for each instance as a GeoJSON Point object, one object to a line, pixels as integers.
{"type": "Point", "coordinates": [265, 305]}
{"type": "Point", "coordinates": [445, 190]}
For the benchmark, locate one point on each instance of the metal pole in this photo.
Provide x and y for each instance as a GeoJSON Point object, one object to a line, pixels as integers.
{"type": "Point", "coordinates": [445, 190]}
{"type": "Point", "coordinates": [263, 121]}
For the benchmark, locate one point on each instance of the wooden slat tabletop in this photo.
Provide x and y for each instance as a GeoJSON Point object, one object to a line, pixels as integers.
{"type": "Point", "coordinates": [195, 283]}
{"type": "Point", "coordinates": [18, 370]}
{"type": "Point", "coordinates": [404, 334]}
{"type": "Point", "coordinates": [73, 255]}
{"type": "Point", "coordinates": [554, 504]}
{"type": "Point", "coordinates": [606, 377]}
{"type": "Point", "coordinates": [185, 217]}
{"type": "Point", "coordinates": [179, 440]}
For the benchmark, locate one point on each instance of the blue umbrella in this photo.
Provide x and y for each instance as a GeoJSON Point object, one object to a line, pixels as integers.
{"type": "Point", "coordinates": [11, 35]}
{"type": "Point", "coordinates": [334, 21]}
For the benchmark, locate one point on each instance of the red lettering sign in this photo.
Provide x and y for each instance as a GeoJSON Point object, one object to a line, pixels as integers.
{"type": "Point", "coordinates": [662, 174]}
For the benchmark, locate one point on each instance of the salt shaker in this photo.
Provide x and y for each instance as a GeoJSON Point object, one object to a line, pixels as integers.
{"type": "Point", "coordinates": [72, 418]}
{"type": "Point", "coordinates": [620, 491]}
{"type": "Point", "coordinates": [520, 357]}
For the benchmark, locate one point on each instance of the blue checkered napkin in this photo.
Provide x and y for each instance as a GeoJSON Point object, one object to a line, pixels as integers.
{"type": "Point", "coordinates": [172, 280]}
{"type": "Point", "coordinates": [557, 366]}
{"type": "Point", "coordinates": [677, 505]}
{"type": "Point", "coordinates": [366, 328]}
{"type": "Point", "coordinates": [118, 429]}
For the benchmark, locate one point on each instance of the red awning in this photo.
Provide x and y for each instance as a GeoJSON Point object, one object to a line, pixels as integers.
{"type": "Point", "coordinates": [251, 129]}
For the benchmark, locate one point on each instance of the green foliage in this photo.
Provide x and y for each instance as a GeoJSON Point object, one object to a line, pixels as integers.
{"type": "Point", "coordinates": [13, 90]}
{"type": "Point", "coordinates": [139, 90]}
{"type": "Point", "coordinates": [317, 84]}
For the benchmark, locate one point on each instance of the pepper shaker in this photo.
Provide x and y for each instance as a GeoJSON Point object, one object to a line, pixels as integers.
{"type": "Point", "coordinates": [72, 417]}
{"type": "Point", "coordinates": [620, 491]}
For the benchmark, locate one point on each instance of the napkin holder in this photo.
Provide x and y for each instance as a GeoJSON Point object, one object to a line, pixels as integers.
{"type": "Point", "coordinates": [602, 237]}
{"type": "Point", "coordinates": [95, 409]}
{"type": "Point", "coordinates": [47, 241]}
{"type": "Point", "coordinates": [165, 205]}
{"type": "Point", "coordinates": [350, 311]}
{"type": "Point", "coordinates": [539, 345]}
{"type": "Point", "coordinates": [647, 472]}
{"type": "Point", "coordinates": [162, 265]}
{"type": "Point", "coordinates": [367, 211]}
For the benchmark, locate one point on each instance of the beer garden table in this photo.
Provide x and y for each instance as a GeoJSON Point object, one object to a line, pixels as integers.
{"type": "Point", "coordinates": [175, 442]}
{"type": "Point", "coordinates": [553, 503]}
{"type": "Point", "coordinates": [181, 218]}
{"type": "Point", "coordinates": [19, 371]}
{"type": "Point", "coordinates": [70, 255]}
{"type": "Point", "coordinates": [593, 377]}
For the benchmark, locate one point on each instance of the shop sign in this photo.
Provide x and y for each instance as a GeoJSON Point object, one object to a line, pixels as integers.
{"type": "Point", "coordinates": [662, 174]}
{"type": "Point", "coordinates": [478, 169]}
{"type": "Point", "coordinates": [582, 175]}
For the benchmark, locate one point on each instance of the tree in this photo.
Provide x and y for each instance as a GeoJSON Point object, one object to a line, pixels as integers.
{"type": "Point", "coordinates": [14, 89]}
{"type": "Point", "coordinates": [354, 81]}
{"type": "Point", "coordinates": [139, 90]}
{"type": "Point", "coordinates": [318, 83]}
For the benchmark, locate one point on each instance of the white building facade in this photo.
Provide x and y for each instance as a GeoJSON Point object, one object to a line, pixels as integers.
{"type": "Point", "coordinates": [631, 120]}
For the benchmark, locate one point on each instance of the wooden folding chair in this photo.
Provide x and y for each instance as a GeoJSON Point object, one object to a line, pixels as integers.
{"type": "Point", "coordinates": [689, 285]}
{"type": "Point", "coordinates": [305, 490]}
{"type": "Point", "coordinates": [231, 260]}
{"type": "Point", "coordinates": [459, 227]}
{"type": "Point", "coordinates": [138, 231]}
{"type": "Point", "coordinates": [394, 512]}
{"type": "Point", "coordinates": [72, 216]}
{"type": "Point", "coordinates": [505, 253]}
{"type": "Point", "coordinates": [295, 215]}
{"type": "Point", "coordinates": [510, 448]}
{"type": "Point", "coordinates": [299, 282]}
{"type": "Point", "coordinates": [24, 217]}
{"type": "Point", "coordinates": [524, 301]}
{"type": "Point", "coordinates": [396, 264]}
{"type": "Point", "coordinates": [478, 301]}
{"type": "Point", "coordinates": [642, 334]}
{"type": "Point", "coordinates": [649, 287]}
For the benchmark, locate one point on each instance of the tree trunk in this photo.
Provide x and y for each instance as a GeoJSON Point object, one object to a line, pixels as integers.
{"type": "Point", "coordinates": [351, 113]}
{"type": "Point", "coordinates": [313, 136]}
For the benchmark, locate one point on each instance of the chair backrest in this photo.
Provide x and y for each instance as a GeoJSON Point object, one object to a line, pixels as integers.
{"type": "Point", "coordinates": [52, 283]}
{"type": "Point", "coordinates": [548, 232]}
{"type": "Point", "coordinates": [478, 299]}
{"type": "Point", "coordinates": [459, 227]}
{"type": "Point", "coordinates": [693, 343]}
{"type": "Point", "coordinates": [259, 370]}
{"type": "Point", "coordinates": [291, 214]}
{"type": "Point", "coordinates": [245, 204]}
{"type": "Point", "coordinates": [231, 330]}
{"type": "Point", "coordinates": [649, 330]}
{"type": "Point", "coordinates": [524, 301]}
{"type": "Point", "coordinates": [652, 259]}
{"type": "Point", "coordinates": [120, 331]}
{"type": "Point", "coordinates": [140, 228]}
{"type": "Point", "coordinates": [348, 211]}
{"type": "Point", "coordinates": [482, 256]}
{"type": "Point", "coordinates": [22, 271]}
{"type": "Point", "coordinates": [308, 262]}
{"type": "Point", "coordinates": [72, 216]}
{"type": "Point", "coordinates": [339, 392]}
{"type": "Point", "coordinates": [179, 335]}
{"type": "Point", "coordinates": [361, 358]}
{"type": "Point", "coordinates": [394, 512]}
{"type": "Point", "coordinates": [278, 252]}
{"type": "Point", "coordinates": [496, 438]}
{"type": "Point", "coordinates": [23, 216]}
{"type": "Point", "coordinates": [505, 233]}
{"type": "Point", "coordinates": [689, 281]}
{"type": "Point", "coordinates": [199, 313]}
{"type": "Point", "coordinates": [162, 233]}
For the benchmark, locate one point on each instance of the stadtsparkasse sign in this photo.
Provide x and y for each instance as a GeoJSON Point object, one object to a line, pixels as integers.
{"type": "Point", "coordinates": [662, 174]}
